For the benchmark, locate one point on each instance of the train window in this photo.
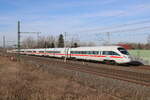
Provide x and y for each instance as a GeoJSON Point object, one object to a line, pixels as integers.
{"type": "Point", "coordinates": [49, 51]}
{"type": "Point", "coordinates": [91, 52]}
{"type": "Point", "coordinates": [110, 53]}
{"type": "Point", "coordinates": [114, 53]}
{"type": "Point", "coordinates": [86, 52]}
{"type": "Point", "coordinates": [53, 51]}
{"type": "Point", "coordinates": [105, 52]}
{"type": "Point", "coordinates": [82, 52]}
{"type": "Point", "coordinates": [74, 52]}
{"type": "Point", "coordinates": [41, 51]}
{"type": "Point", "coordinates": [123, 51]}
{"type": "Point", "coordinates": [57, 51]}
{"type": "Point", "coordinates": [95, 52]}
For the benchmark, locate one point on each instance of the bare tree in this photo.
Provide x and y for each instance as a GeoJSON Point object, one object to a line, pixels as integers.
{"type": "Point", "coordinates": [29, 43]}
{"type": "Point", "coordinates": [90, 44]}
{"type": "Point", "coordinates": [148, 42]}
{"type": "Point", "coordinates": [42, 42]}
{"type": "Point", "coordinates": [50, 40]}
{"type": "Point", "coordinates": [148, 39]}
{"type": "Point", "coordinates": [47, 42]}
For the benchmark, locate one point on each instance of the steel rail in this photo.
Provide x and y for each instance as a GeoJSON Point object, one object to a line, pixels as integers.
{"type": "Point", "coordinates": [132, 77]}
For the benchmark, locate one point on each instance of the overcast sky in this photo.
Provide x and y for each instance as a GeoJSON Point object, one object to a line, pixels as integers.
{"type": "Point", "coordinates": [77, 17]}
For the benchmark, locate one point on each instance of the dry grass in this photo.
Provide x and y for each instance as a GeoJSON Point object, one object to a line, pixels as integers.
{"type": "Point", "coordinates": [112, 88]}
{"type": "Point", "coordinates": [26, 82]}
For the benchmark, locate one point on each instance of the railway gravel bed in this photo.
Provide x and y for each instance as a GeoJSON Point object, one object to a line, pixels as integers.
{"type": "Point", "coordinates": [140, 69]}
{"type": "Point", "coordinates": [120, 90]}
{"type": "Point", "coordinates": [132, 76]}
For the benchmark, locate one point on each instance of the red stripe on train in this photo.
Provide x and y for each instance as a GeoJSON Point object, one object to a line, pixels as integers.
{"type": "Point", "coordinates": [77, 55]}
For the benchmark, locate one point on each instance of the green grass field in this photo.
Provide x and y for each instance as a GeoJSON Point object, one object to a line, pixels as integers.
{"type": "Point", "coordinates": [144, 54]}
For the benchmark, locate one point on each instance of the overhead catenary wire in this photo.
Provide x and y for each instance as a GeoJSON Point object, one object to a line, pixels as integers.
{"type": "Point", "coordinates": [127, 30]}
{"type": "Point", "coordinates": [117, 26]}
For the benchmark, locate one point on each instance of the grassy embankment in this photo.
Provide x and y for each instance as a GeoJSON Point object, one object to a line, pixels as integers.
{"type": "Point", "coordinates": [22, 81]}
{"type": "Point", "coordinates": [144, 54]}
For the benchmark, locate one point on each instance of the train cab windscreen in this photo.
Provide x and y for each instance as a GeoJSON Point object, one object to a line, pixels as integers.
{"type": "Point", "coordinates": [123, 51]}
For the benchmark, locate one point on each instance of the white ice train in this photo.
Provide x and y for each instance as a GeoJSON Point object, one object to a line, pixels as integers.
{"type": "Point", "coordinates": [107, 54]}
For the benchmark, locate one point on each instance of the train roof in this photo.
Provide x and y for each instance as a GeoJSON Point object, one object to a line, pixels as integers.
{"type": "Point", "coordinates": [97, 47]}
{"type": "Point", "coordinates": [88, 48]}
{"type": "Point", "coordinates": [101, 47]}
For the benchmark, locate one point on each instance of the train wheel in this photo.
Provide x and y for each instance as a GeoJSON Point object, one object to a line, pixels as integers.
{"type": "Point", "coordinates": [107, 62]}
{"type": "Point", "coordinates": [112, 62]}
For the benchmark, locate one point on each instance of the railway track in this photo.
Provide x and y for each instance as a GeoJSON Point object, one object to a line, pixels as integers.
{"type": "Point", "coordinates": [121, 75]}
{"type": "Point", "coordinates": [129, 76]}
{"type": "Point", "coordinates": [144, 67]}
